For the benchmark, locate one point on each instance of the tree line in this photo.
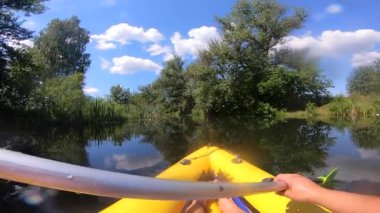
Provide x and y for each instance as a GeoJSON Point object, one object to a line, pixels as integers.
{"type": "Point", "coordinates": [246, 72]}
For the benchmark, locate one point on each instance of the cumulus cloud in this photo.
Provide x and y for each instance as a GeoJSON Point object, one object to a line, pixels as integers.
{"type": "Point", "coordinates": [337, 43]}
{"type": "Point", "coordinates": [104, 45]}
{"type": "Point", "coordinates": [157, 49]}
{"type": "Point", "coordinates": [19, 44]}
{"type": "Point", "coordinates": [365, 58]}
{"type": "Point", "coordinates": [128, 65]}
{"type": "Point", "coordinates": [123, 34]}
{"type": "Point", "coordinates": [198, 39]}
{"type": "Point", "coordinates": [104, 63]}
{"type": "Point", "coordinates": [334, 8]}
{"type": "Point", "coordinates": [90, 90]}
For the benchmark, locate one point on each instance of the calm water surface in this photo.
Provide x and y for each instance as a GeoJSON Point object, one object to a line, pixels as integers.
{"type": "Point", "coordinates": [146, 148]}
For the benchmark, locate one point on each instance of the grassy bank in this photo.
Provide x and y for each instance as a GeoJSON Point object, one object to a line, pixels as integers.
{"type": "Point", "coordinates": [350, 107]}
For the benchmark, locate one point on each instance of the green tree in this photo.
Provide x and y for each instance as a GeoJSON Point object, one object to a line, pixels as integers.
{"type": "Point", "coordinates": [294, 80]}
{"type": "Point", "coordinates": [119, 94]}
{"type": "Point", "coordinates": [23, 78]}
{"type": "Point", "coordinates": [173, 81]}
{"type": "Point", "coordinates": [228, 74]}
{"type": "Point", "coordinates": [365, 80]}
{"type": "Point", "coordinates": [170, 92]}
{"type": "Point", "coordinates": [61, 47]}
{"type": "Point", "coordinates": [259, 25]}
{"type": "Point", "coordinates": [11, 33]}
{"type": "Point", "coordinates": [62, 98]}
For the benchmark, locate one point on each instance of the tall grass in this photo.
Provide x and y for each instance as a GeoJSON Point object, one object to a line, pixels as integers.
{"type": "Point", "coordinates": [103, 111]}
{"type": "Point", "coordinates": [354, 106]}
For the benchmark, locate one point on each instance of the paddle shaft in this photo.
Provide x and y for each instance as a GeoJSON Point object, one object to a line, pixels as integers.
{"type": "Point", "coordinates": [37, 171]}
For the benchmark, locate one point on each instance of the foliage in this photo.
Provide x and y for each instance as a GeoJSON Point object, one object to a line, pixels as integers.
{"type": "Point", "coordinates": [100, 111]}
{"type": "Point", "coordinates": [244, 74]}
{"type": "Point", "coordinates": [173, 80]}
{"type": "Point", "coordinates": [23, 76]}
{"type": "Point", "coordinates": [365, 80]}
{"type": "Point", "coordinates": [303, 81]}
{"type": "Point", "coordinates": [354, 106]}
{"type": "Point", "coordinates": [120, 95]}
{"type": "Point", "coordinates": [259, 25]}
{"type": "Point", "coordinates": [340, 106]}
{"type": "Point", "coordinates": [62, 98]}
{"type": "Point", "coordinates": [170, 92]}
{"type": "Point", "coordinates": [266, 110]}
{"type": "Point", "coordinates": [60, 48]}
{"type": "Point", "coordinates": [11, 34]}
{"type": "Point", "coordinates": [311, 109]}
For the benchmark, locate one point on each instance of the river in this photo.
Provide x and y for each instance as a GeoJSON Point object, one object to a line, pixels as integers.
{"type": "Point", "coordinates": [148, 147]}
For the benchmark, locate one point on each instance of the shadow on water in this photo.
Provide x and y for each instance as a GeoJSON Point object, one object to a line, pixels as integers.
{"type": "Point", "coordinates": [147, 147]}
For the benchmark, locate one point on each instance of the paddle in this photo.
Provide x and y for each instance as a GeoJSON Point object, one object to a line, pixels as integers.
{"type": "Point", "coordinates": [33, 170]}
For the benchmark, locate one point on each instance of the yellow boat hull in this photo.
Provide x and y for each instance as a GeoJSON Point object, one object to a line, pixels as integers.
{"type": "Point", "coordinates": [208, 160]}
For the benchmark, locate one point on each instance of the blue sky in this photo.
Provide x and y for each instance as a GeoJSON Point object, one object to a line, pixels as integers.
{"type": "Point", "coordinates": [130, 40]}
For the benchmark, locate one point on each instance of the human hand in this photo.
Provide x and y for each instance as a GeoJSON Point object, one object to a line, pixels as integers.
{"type": "Point", "coordinates": [300, 188]}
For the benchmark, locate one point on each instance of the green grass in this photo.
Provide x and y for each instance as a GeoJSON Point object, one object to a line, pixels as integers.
{"type": "Point", "coordinates": [343, 107]}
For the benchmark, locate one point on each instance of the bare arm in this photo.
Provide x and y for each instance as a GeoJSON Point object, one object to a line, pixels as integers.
{"type": "Point", "coordinates": [303, 189]}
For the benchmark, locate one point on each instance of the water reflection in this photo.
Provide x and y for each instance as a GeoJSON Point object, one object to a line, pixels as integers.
{"type": "Point", "coordinates": [291, 146]}
{"type": "Point", "coordinates": [133, 157]}
{"type": "Point", "coordinates": [148, 147]}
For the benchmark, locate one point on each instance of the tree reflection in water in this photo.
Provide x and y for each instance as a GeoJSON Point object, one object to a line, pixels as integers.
{"type": "Point", "coordinates": [286, 146]}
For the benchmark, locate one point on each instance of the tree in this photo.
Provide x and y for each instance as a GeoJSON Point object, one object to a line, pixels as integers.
{"type": "Point", "coordinates": [294, 80]}
{"type": "Point", "coordinates": [23, 78]}
{"type": "Point", "coordinates": [11, 33]}
{"type": "Point", "coordinates": [365, 80]}
{"type": "Point", "coordinates": [259, 24]}
{"type": "Point", "coordinates": [229, 72]}
{"type": "Point", "coordinates": [172, 81]}
{"type": "Point", "coordinates": [170, 91]}
{"type": "Point", "coordinates": [119, 94]}
{"type": "Point", "coordinates": [60, 48]}
{"type": "Point", "coordinates": [61, 98]}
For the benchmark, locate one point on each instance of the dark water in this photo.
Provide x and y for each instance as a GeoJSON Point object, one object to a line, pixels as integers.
{"type": "Point", "coordinates": [147, 147]}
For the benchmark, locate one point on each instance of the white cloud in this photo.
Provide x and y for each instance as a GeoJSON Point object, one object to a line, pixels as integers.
{"type": "Point", "coordinates": [103, 45]}
{"type": "Point", "coordinates": [334, 8]}
{"type": "Point", "coordinates": [90, 90]}
{"type": "Point", "coordinates": [132, 161]}
{"type": "Point", "coordinates": [157, 49]}
{"type": "Point", "coordinates": [29, 24]}
{"type": "Point", "coordinates": [104, 64]}
{"type": "Point", "coordinates": [27, 42]}
{"type": "Point", "coordinates": [336, 43]}
{"type": "Point", "coordinates": [128, 65]}
{"type": "Point", "coordinates": [365, 58]}
{"type": "Point", "coordinates": [123, 34]}
{"type": "Point", "coordinates": [199, 39]}
{"type": "Point", "coordinates": [19, 44]}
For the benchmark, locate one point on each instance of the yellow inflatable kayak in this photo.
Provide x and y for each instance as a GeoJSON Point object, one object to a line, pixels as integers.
{"type": "Point", "coordinates": [213, 160]}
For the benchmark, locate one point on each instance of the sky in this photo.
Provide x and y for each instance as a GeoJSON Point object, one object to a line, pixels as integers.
{"type": "Point", "coordinates": [132, 39]}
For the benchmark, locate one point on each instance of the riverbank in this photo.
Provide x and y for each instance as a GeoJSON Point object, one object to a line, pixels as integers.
{"type": "Point", "coordinates": [341, 107]}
